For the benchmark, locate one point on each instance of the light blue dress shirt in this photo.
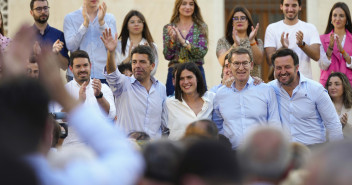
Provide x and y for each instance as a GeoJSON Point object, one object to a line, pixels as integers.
{"type": "Point", "coordinates": [309, 113]}
{"type": "Point", "coordinates": [136, 109]}
{"type": "Point", "coordinates": [237, 112]}
{"type": "Point", "coordinates": [88, 39]}
{"type": "Point", "coordinates": [215, 88]}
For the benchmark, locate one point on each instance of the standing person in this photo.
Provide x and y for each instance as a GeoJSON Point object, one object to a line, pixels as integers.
{"type": "Point", "coordinates": [46, 34]}
{"type": "Point", "coordinates": [185, 38]}
{"type": "Point", "coordinates": [134, 32]}
{"type": "Point", "coordinates": [301, 37]}
{"type": "Point", "coordinates": [240, 31]}
{"type": "Point", "coordinates": [83, 29]}
{"type": "Point", "coordinates": [306, 110]}
{"type": "Point", "coordinates": [336, 49]}
{"type": "Point", "coordinates": [340, 92]}
{"type": "Point", "coordinates": [243, 106]}
{"type": "Point", "coordinates": [139, 99]}
{"type": "Point", "coordinates": [4, 41]}
{"type": "Point", "coordinates": [191, 101]}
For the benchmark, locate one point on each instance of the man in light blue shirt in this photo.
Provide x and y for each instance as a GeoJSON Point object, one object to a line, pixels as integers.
{"type": "Point", "coordinates": [82, 30]}
{"type": "Point", "coordinates": [240, 108]}
{"type": "Point", "coordinates": [139, 99]}
{"type": "Point", "coordinates": [306, 109]}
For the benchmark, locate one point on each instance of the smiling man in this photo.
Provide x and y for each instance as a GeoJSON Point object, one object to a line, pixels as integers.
{"type": "Point", "coordinates": [47, 35]}
{"type": "Point", "coordinates": [306, 109]}
{"type": "Point", "coordinates": [243, 106]}
{"type": "Point", "coordinates": [139, 99]}
{"type": "Point", "coordinates": [295, 34]}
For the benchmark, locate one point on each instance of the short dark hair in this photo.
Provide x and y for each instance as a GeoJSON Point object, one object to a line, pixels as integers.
{"type": "Point", "coordinates": [174, 70]}
{"type": "Point", "coordinates": [142, 49]}
{"type": "Point", "coordinates": [190, 66]}
{"type": "Point", "coordinates": [240, 51]}
{"type": "Point", "coordinates": [124, 66]}
{"type": "Point", "coordinates": [285, 52]}
{"type": "Point", "coordinates": [211, 161]}
{"type": "Point", "coordinates": [32, 3]}
{"type": "Point", "coordinates": [299, 2]}
{"type": "Point", "coordinates": [23, 114]}
{"type": "Point", "coordinates": [78, 54]}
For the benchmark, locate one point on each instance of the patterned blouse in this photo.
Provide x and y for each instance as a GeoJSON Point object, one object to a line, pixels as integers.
{"type": "Point", "coordinates": [4, 42]}
{"type": "Point", "coordinates": [179, 54]}
{"type": "Point", "coordinates": [223, 45]}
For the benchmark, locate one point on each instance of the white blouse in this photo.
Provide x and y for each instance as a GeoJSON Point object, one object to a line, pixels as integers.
{"type": "Point", "coordinates": [180, 115]}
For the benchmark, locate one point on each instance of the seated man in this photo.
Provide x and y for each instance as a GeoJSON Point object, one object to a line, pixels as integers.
{"type": "Point", "coordinates": [244, 105]}
{"type": "Point", "coordinates": [139, 99]}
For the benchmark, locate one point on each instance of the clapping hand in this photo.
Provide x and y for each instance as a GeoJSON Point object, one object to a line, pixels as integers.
{"type": "Point", "coordinates": [253, 33]}
{"type": "Point", "coordinates": [101, 13]}
{"type": "Point", "coordinates": [284, 40]}
{"type": "Point", "coordinates": [57, 46]}
{"type": "Point", "coordinates": [235, 37]}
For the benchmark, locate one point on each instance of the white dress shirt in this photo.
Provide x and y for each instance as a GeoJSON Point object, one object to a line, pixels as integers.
{"type": "Point", "coordinates": [180, 115]}
{"type": "Point", "coordinates": [73, 88]}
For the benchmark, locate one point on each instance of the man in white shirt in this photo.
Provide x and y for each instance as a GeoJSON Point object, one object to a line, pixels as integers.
{"type": "Point", "coordinates": [83, 29]}
{"type": "Point", "coordinates": [295, 34]}
{"type": "Point", "coordinates": [90, 91]}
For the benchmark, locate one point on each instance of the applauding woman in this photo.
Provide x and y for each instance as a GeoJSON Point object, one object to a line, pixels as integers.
{"type": "Point", "coordinates": [185, 38]}
{"type": "Point", "coordinates": [134, 32]}
{"type": "Point", "coordinates": [240, 31]}
{"type": "Point", "coordinates": [336, 48]}
{"type": "Point", "coordinates": [191, 101]}
{"type": "Point", "coordinates": [340, 92]}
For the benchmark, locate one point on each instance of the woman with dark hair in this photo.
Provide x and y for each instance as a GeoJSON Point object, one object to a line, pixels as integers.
{"type": "Point", "coordinates": [336, 43]}
{"type": "Point", "coordinates": [134, 32]}
{"type": "Point", "coordinates": [240, 31]}
{"type": "Point", "coordinates": [340, 92]}
{"type": "Point", "coordinates": [191, 101]}
{"type": "Point", "coordinates": [4, 41]}
{"type": "Point", "coordinates": [185, 38]}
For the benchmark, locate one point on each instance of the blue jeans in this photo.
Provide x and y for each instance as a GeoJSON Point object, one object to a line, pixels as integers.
{"type": "Point", "coordinates": [170, 89]}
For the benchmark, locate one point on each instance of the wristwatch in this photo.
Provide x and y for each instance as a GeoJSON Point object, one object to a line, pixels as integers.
{"type": "Point", "coordinates": [186, 43]}
{"type": "Point", "coordinates": [99, 96]}
{"type": "Point", "coordinates": [302, 44]}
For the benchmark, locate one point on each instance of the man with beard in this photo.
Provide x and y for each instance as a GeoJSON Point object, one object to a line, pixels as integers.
{"type": "Point", "coordinates": [46, 34]}
{"type": "Point", "coordinates": [140, 98]}
{"type": "Point", "coordinates": [301, 37]}
{"type": "Point", "coordinates": [89, 91]}
{"type": "Point", "coordinates": [83, 29]}
{"type": "Point", "coordinates": [305, 107]}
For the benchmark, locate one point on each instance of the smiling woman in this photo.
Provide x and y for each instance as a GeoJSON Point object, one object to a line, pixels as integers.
{"type": "Point", "coordinates": [185, 38]}
{"type": "Point", "coordinates": [191, 102]}
{"type": "Point", "coordinates": [134, 32]}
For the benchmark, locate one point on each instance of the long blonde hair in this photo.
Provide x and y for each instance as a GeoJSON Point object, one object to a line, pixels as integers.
{"type": "Point", "coordinates": [196, 16]}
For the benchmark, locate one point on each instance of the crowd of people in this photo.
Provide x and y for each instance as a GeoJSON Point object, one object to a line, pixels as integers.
{"type": "Point", "coordinates": [113, 122]}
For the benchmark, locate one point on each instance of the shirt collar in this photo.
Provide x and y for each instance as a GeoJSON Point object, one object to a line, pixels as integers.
{"type": "Point", "coordinates": [134, 80]}
{"type": "Point", "coordinates": [249, 82]}
{"type": "Point", "coordinates": [142, 42]}
{"type": "Point", "coordinates": [38, 31]}
{"type": "Point", "coordinates": [77, 84]}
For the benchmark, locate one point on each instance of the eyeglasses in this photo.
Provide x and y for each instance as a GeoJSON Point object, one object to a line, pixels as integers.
{"type": "Point", "coordinates": [39, 9]}
{"type": "Point", "coordinates": [241, 18]}
{"type": "Point", "coordinates": [244, 64]}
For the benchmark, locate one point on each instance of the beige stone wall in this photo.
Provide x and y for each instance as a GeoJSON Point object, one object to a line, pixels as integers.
{"type": "Point", "coordinates": [317, 14]}
{"type": "Point", "coordinates": [157, 13]}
